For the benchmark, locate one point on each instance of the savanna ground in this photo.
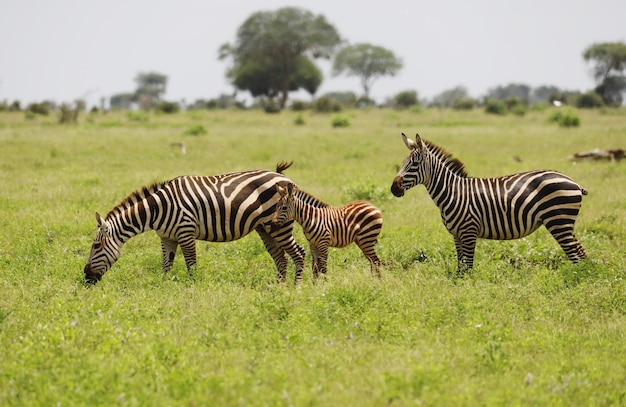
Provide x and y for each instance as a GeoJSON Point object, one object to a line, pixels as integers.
{"type": "Point", "coordinates": [525, 327]}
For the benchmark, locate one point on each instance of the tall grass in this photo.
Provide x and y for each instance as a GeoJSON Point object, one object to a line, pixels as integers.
{"type": "Point", "coordinates": [525, 327]}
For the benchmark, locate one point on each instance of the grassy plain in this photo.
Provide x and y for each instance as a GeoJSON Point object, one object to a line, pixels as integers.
{"type": "Point", "coordinates": [526, 327]}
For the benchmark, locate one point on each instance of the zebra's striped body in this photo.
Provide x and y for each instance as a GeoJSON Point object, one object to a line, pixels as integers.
{"type": "Point", "coordinates": [219, 208]}
{"type": "Point", "coordinates": [508, 207]}
{"type": "Point", "coordinates": [327, 226]}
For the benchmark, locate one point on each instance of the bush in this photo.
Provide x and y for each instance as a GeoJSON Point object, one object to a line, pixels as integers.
{"type": "Point", "coordinates": [344, 99]}
{"type": "Point", "coordinates": [196, 130]}
{"type": "Point", "coordinates": [494, 106]}
{"type": "Point", "coordinates": [299, 121]}
{"type": "Point", "coordinates": [38, 108]}
{"type": "Point", "coordinates": [68, 115]}
{"type": "Point", "coordinates": [464, 104]}
{"type": "Point", "coordinates": [270, 106]}
{"type": "Point", "coordinates": [405, 99]}
{"type": "Point", "coordinates": [564, 118]}
{"type": "Point", "coordinates": [340, 121]}
{"type": "Point", "coordinates": [518, 110]}
{"type": "Point", "coordinates": [589, 100]}
{"type": "Point", "coordinates": [298, 105]}
{"type": "Point", "coordinates": [167, 107]}
{"type": "Point", "coordinates": [325, 104]}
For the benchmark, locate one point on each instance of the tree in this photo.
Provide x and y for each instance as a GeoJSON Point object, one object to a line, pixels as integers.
{"type": "Point", "coordinates": [610, 63]}
{"type": "Point", "coordinates": [273, 51]}
{"type": "Point", "coordinates": [150, 88]}
{"type": "Point", "coordinates": [121, 100]}
{"type": "Point", "coordinates": [448, 97]}
{"type": "Point", "coordinates": [368, 62]}
{"type": "Point", "coordinates": [512, 90]}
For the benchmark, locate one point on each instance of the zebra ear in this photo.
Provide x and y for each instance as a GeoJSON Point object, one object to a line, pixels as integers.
{"type": "Point", "coordinates": [410, 144]}
{"type": "Point", "coordinates": [290, 188]}
{"type": "Point", "coordinates": [101, 223]}
{"type": "Point", "coordinates": [418, 140]}
{"type": "Point", "coordinates": [281, 190]}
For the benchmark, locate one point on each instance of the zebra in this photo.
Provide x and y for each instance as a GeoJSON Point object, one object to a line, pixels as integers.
{"type": "Point", "coordinates": [218, 208]}
{"type": "Point", "coordinates": [327, 226]}
{"type": "Point", "coordinates": [508, 207]}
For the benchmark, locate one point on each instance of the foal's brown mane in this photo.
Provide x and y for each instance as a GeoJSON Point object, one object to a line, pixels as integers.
{"type": "Point", "coordinates": [311, 200]}
{"type": "Point", "coordinates": [136, 196]}
{"type": "Point", "coordinates": [453, 164]}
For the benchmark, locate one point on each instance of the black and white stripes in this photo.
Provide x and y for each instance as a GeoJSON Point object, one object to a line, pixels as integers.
{"type": "Point", "coordinates": [219, 208]}
{"type": "Point", "coordinates": [327, 226]}
{"type": "Point", "coordinates": [501, 208]}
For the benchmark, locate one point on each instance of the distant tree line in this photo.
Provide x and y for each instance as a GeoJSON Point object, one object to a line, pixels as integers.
{"type": "Point", "coordinates": [274, 53]}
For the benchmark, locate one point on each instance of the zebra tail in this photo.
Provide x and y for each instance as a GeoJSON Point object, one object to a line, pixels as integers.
{"type": "Point", "coordinates": [282, 166]}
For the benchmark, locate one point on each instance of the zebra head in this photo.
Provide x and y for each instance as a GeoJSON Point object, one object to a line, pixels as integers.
{"type": "Point", "coordinates": [285, 207]}
{"type": "Point", "coordinates": [104, 252]}
{"type": "Point", "coordinates": [412, 172]}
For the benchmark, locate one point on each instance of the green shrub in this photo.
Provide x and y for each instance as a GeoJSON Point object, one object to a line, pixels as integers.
{"type": "Point", "coordinates": [195, 130]}
{"type": "Point", "coordinates": [38, 108]}
{"type": "Point", "coordinates": [366, 192]}
{"type": "Point", "coordinates": [67, 115]}
{"type": "Point", "coordinates": [589, 100]}
{"type": "Point", "coordinates": [564, 118]}
{"type": "Point", "coordinates": [518, 110]}
{"type": "Point", "coordinates": [326, 105]}
{"type": "Point", "coordinates": [340, 121]}
{"type": "Point", "coordinates": [299, 120]}
{"type": "Point", "coordinates": [299, 105]}
{"type": "Point", "coordinates": [464, 104]}
{"type": "Point", "coordinates": [167, 107]}
{"type": "Point", "coordinates": [405, 99]}
{"type": "Point", "coordinates": [494, 106]}
{"type": "Point", "coordinates": [270, 106]}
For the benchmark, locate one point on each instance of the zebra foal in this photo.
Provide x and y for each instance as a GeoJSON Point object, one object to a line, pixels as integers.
{"type": "Point", "coordinates": [502, 208]}
{"type": "Point", "coordinates": [327, 226]}
{"type": "Point", "coordinates": [219, 208]}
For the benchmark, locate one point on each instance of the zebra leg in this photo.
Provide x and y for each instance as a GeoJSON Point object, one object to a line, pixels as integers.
{"type": "Point", "coordinates": [370, 254]}
{"type": "Point", "coordinates": [278, 254]}
{"type": "Point", "coordinates": [564, 235]}
{"type": "Point", "coordinates": [188, 247]}
{"type": "Point", "coordinates": [465, 247]}
{"type": "Point", "coordinates": [168, 247]}
{"type": "Point", "coordinates": [322, 258]}
{"type": "Point", "coordinates": [315, 264]}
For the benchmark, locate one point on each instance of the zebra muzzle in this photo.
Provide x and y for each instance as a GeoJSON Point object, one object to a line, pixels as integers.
{"type": "Point", "coordinates": [90, 276]}
{"type": "Point", "coordinates": [396, 187]}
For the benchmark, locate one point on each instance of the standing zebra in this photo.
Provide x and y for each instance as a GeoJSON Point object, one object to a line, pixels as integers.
{"type": "Point", "coordinates": [502, 208]}
{"type": "Point", "coordinates": [219, 208]}
{"type": "Point", "coordinates": [327, 226]}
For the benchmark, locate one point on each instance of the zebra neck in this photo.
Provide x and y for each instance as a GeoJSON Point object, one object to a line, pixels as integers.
{"type": "Point", "coordinates": [303, 211]}
{"type": "Point", "coordinates": [133, 220]}
{"type": "Point", "coordinates": [442, 184]}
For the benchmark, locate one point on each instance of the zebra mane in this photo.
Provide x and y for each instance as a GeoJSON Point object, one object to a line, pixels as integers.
{"type": "Point", "coordinates": [135, 197]}
{"type": "Point", "coordinates": [310, 199]}
{"type": "Point", "coordinates": [453, 164]}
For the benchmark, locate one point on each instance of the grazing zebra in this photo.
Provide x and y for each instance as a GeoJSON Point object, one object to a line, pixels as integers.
{"type": "Point", "coordinates": [502, 208]}
{"type": "Point", "coordinates": [327, 226]}
{"type": "Point", "coordinates": [219, 208]}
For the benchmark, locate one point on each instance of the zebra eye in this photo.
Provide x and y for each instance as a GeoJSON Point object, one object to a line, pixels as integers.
{"type": "Point", "coordinates": [96, 245]}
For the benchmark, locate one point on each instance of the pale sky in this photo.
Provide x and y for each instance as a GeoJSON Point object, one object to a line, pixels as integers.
{"type": "Point", "coordinates": [62, 50]}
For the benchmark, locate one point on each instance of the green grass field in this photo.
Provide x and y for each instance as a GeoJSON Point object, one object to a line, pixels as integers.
{"type": "Point", "coordinates": [525, 327]}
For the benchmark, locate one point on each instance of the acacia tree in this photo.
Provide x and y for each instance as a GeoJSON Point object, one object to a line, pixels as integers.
{"type": "Point", "coordinates": [368, 62]}
{"type": "Point", "coordinates": [273, 51]}
{"type": "Point", "coordinates": [150, 88]}
{"type": "Point", "coordinates": [610, 63]}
